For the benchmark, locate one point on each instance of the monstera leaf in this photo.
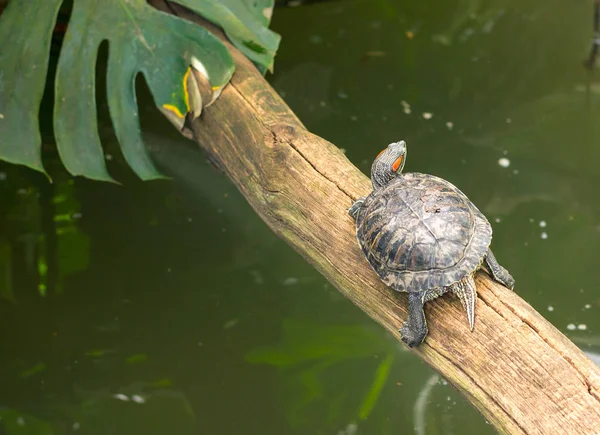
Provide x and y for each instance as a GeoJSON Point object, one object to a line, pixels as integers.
{"type": "Point", "coordinates": [164, 48]}
{"type": "Point", "coordinates": [245, 25]}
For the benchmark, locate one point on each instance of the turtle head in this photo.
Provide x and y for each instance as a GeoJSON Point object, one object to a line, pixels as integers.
{"type": "Point", "coordinates": [388, 164]}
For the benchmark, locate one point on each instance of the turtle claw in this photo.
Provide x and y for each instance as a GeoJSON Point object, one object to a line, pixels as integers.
{"type": "Point", "coordinates": [498, 272]}
{"type": "Point", "coordinates": [411, 337]}
{"type": "Point", "coordinates": [510, 281]}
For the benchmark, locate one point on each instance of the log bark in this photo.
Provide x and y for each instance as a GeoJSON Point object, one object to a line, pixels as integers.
{"type": "Point", "coordinates": [522, 373]}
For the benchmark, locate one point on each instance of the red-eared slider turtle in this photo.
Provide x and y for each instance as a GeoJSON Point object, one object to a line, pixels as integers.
{"type": "Point", "coordinates": [423, 236]}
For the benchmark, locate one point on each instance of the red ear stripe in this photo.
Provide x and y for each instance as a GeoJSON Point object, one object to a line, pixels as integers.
{"type": "Point", "coordinates": [381, 153]}
{"type": "Point", "coordinates": [396, 164]}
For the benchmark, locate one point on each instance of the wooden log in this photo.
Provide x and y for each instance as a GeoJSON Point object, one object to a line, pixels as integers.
{"type": "Point", "coordinates": [522, 373]}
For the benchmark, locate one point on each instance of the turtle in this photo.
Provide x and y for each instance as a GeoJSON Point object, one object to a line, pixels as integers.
{"type": "Point", "coordinates": [423, 236]}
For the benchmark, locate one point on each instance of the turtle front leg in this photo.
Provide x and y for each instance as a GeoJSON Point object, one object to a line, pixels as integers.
{"type": "Point", "coordinates": [353, 210]}
{"type": "Point", "coordinates": [499, 273]}
{"type": "Point", "coordinates": [414, 330]}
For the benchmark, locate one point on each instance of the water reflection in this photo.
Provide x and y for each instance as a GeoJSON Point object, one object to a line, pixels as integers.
{"type": "Point", "coordinates": [148, 410]}
{"type": "Point", "coordinates": [313, 361]}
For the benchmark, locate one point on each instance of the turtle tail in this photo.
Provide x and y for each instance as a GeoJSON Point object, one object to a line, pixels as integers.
{"type": "Point", "coordinates": [467, 293]}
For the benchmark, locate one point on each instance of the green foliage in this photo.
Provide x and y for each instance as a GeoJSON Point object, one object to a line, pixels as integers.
{"type": "Point", "coordinates": [141, 39]}
{"type": "Point", "coordinates": [43, 224]}
{"type": "Point", "coordinates": [381, 375]}
{"type": "Point", "coordinates": [311, 342]}
{"type": "Point", "coordinates": [25, 40]}
{"type": "Point", "coordinates": [73, 245]}
{"type": "Point", "coordinates": [137, 358]}
{"type": "Point", "coordinates": [31, 371]}
{"type": "Point", "coordinates": [309, 358]}
{"type": "Point", "coordinates": [244, 23]}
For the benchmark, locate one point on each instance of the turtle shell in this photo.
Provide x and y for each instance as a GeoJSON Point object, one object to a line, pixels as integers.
{"type": "Point", "coordinates": [421, 232]}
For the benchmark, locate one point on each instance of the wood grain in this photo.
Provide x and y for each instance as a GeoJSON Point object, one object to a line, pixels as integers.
{"type": "Point", "coordinates": [515, 367]}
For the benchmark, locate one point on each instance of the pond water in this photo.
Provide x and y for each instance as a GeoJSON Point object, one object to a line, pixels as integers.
{"type": "Point", "coordinates": [170, 308]}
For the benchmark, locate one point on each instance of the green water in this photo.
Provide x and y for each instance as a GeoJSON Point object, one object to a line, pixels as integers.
{"type": "Point", "coordinates": [170, 308]}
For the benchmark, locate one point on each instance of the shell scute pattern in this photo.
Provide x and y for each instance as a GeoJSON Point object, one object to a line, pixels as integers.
{"type": "Point", "coordinates": [421, 232]}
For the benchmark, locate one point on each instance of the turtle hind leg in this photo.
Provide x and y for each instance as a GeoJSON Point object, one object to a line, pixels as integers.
{"type": "Point", "coordinates": [467, 293]}
{"type": "Point", "coordinates": [499, 273]}
{"type": "Point", "coordinates": [414, 330]}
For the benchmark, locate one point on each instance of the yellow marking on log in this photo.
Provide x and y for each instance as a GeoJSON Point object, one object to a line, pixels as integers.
{"type": "Point", "coordinates": [173, 109]}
